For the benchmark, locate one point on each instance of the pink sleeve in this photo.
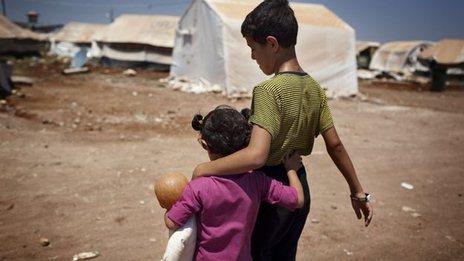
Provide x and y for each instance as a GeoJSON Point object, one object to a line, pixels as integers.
{"type": "Point", "coordinates": [185, 207]}
{"type": "Point", "coordinates": [274, 192]}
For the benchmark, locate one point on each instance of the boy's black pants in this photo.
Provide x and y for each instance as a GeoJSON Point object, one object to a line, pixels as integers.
{"type": "Point", "coordinates": [277, 229]}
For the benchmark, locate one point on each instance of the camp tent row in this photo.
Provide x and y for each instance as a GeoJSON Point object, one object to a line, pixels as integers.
{"type": "Point", "coordinates": [129, 40]}
{"type": "Point", "coordinates": [137, 39]}
{"type": "Point", "coordinates": [210, 47]}
{"type": "Point", "coordinates": [72, 37]}
{"type": "Point", "coordinates": [17, 40]}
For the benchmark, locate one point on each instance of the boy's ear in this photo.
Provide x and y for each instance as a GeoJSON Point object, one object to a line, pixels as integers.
{"type": "Point", "coordinates": [273, 43]}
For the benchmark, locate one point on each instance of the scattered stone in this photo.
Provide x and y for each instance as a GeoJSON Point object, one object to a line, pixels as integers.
{"type": "Point", "coordinates": [143, 169]}
{"type": "Point", "coordinates": [450, 238]}
{"type": "Point", "coordinates": [334, 207]}
{"type": "Point", "coordinates": [77, 120]}
{"type": "Point", "coordinates": [152, 239]}
{"type": "Point", "coordinates": [347, 252]}
{"type": "Point", "coordinates": [119, 219]}
{"type": "Point", "coordinates": [142, 202]}
{"type": "Point", "coordinates": [22, 80]}
{"type": "Point", "coordinates": [85, 255]}
{"type": "Point", "coordinates": [408, 209]}
{"type": "Point", "coordinates": [44, 241]}
{"type": "Point", "coordinates": [70, 71]}
{"type": "Point", "coordinates": [135, 93]}
{"type": "Point", "coordinates": [47, 121]}
{"type": "Point", "coordinates": [171, 112]}
{"type": "Point", "coordinates": [407, 185]}
{"type": "Point", "coordinates": [129, 72]}
{"type": "Point", "coordinates": [315, 221]}
{"type": "Point", "coordinates": [415, 215]}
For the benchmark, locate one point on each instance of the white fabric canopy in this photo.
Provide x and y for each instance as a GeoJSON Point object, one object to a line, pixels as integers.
{"type": "Point", "coordinates": [209, 46]}
{"type": "Point", "coordinates": [138, 38]}
{"type": "Point", "coordinates": [399, 56]}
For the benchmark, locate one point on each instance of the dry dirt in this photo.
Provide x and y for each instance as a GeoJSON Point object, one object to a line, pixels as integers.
{"type": "Point", "coordinates": [79, 155]}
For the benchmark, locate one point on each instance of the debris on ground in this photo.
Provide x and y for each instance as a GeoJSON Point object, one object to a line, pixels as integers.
{"type": "Point", "coordinates": [129, 72]}
{"type": "Point", "coordinates": [407, 185]}
{"type": "Point", "coordinates": [22, 80]}
{"type": "Point", "coordinates": [86, 255]}
{"type": "Point", "coordinates": [70, 71]}
{"type": "Point", "coordinates": [44, 241]}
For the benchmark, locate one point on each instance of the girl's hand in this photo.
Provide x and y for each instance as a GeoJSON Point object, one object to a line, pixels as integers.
{"type": "Point", "coordinates": [293, 161]}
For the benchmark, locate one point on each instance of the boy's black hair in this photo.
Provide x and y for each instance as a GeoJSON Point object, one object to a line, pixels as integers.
{"type": "Point", "coordinates": [272, 18]}
{"type": "Point", "coordinates": [224, 129]}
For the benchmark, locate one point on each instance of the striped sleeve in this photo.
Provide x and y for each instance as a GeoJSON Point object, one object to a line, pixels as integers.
{"type": "Point", "coordinates": [265, 111]}
{"type": "Point", "coordinates": [325, 118]}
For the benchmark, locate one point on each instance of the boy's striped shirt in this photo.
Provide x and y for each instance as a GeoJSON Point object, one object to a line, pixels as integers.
{"type": "Point", "coordinates": [293, 108]}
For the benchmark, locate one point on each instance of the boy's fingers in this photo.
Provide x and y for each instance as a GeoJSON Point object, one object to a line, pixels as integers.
{"type": "Point", "coordinates": [368, 213]}
{"type": "Point", "coordinates": [357, 210]}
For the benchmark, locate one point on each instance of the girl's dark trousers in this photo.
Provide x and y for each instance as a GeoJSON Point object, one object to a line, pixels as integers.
{"type": "Point", "coordinates": [277, 229]}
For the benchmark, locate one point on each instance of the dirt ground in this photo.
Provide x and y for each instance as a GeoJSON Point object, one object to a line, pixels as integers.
{"type": "Point", "coordinates": [79, 155]}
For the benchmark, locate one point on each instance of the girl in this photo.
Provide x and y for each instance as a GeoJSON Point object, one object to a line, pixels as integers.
{"type": "Point", "coordinates": [227, 206]}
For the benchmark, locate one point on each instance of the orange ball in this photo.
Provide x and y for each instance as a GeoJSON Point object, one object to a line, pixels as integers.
{"type": "Point", "coordinates": [169, 188]}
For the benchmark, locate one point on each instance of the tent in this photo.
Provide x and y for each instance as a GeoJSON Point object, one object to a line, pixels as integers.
{"type": "Point", "coordinates": [364, 52]}
{"type": "Point", "coordinates": [137, 39]}
{"type": "Point", "coordinates": [446, 61]}
{"type": "Point", "coordinates": [399, 57]}
{"type": "Point", "coordinates": [210, 52]}
{"type": "Point", "coordinates": [73, 37]}
{"type": "Point", "coordinates": [448, 52]}
{"type": "Point", "coordinates": [17, 40]}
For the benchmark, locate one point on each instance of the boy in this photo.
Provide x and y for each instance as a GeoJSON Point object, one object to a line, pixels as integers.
{"type": "Point", "coordinates": [288, 112]}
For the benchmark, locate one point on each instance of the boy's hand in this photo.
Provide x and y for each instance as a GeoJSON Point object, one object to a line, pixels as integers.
{"type": "Point", "coordinates": [197, 172]}
{"type": "Point", "coordinates": [293, 161]}
{"type": "Point", "coordinates": [363, 209]}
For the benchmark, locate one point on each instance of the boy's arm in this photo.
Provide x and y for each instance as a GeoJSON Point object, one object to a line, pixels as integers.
{"type": "Point", "coordinates": [343, 162]}
{"type": "Point", "coordinates": [252, 157]}
{"type": "Point", "coordinates": [293, 164]}
{"type": "Point", "coordinates": [171, 225]}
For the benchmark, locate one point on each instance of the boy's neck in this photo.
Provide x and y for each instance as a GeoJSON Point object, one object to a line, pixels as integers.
{"type": "Point", "coordinates": [286, 61]}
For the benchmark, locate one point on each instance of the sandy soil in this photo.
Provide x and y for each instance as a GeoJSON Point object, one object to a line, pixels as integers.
{"type": "Point", "coordinates": [79, 155]}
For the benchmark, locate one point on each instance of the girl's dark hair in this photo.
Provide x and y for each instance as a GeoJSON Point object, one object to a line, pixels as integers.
{"type": "Point", "coordinates": [272, 18]}
{"type": "Point", "coordinates": [224, 129]}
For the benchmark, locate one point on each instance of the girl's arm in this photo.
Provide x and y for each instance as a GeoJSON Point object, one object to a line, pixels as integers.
{"type": "Point", "coordinates": [252, 157]}
{"type": "Point", "coordinates": [343, 162]}
{"type": "Point", "coordinates": [292, 165]}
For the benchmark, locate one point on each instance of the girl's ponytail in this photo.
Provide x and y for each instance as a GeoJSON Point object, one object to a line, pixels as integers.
{"type": "Point", "coordinates": [197, 122]}
{"type": "Point", "coordinates": [246, 113]}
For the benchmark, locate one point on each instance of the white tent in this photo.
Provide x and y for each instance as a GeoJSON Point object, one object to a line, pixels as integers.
{"type": "Point", "coordinates": [14, 39]}
{"type": "Point", "coordinates": [448, 52]}
{"type": "Point", "coordinates": [72, 37]}
{"type": "Point", "coordinates": [399, 57]}
{"type": "Point", "coordinates": [210, 50]}
{"type": "Point", "coordinates": [138, 38]}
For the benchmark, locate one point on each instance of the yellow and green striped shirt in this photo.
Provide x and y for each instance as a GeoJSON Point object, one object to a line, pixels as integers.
{"type": "Point", "coordinates": [293, 108]}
